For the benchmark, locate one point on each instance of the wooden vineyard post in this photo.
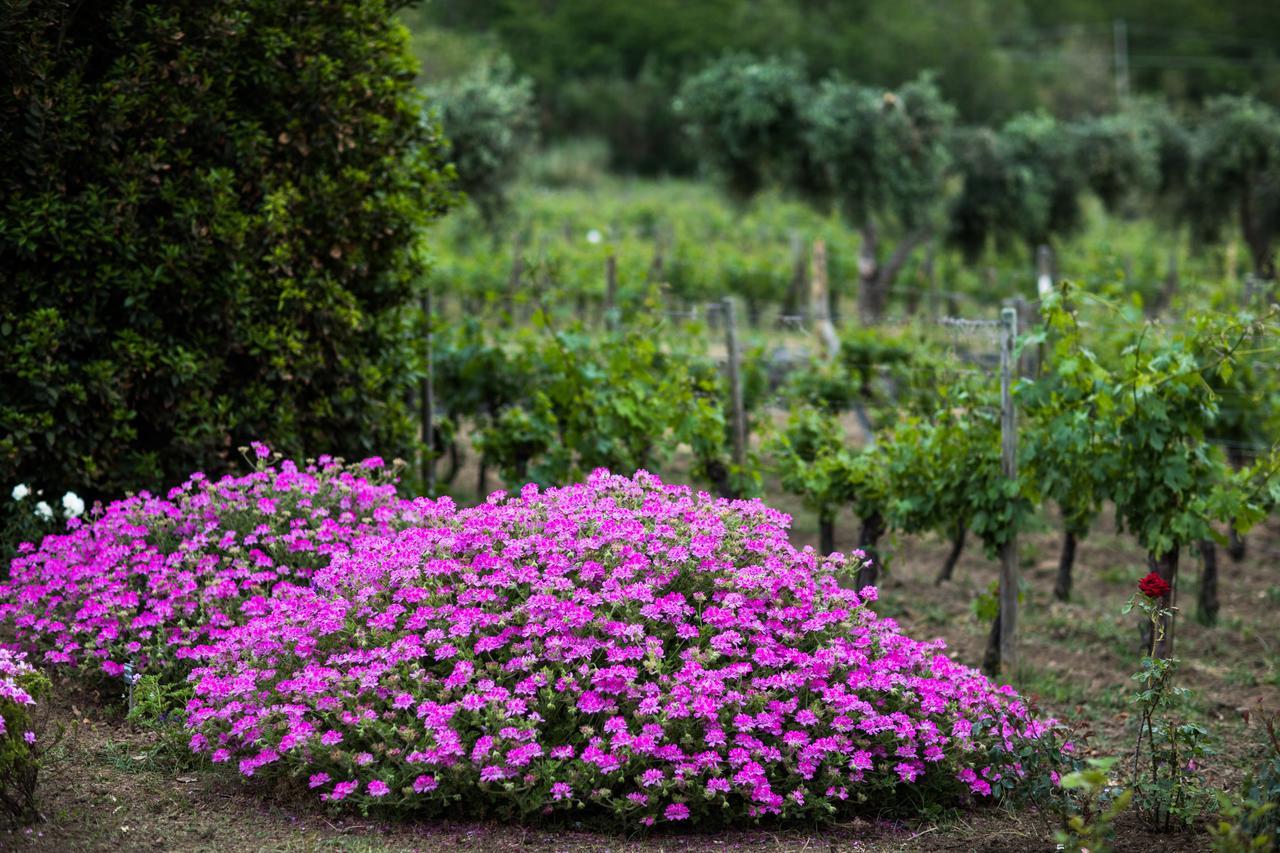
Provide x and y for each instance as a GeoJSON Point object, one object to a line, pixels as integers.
{"type": "Point", "coordinates": [1009, 468]}
{"type": "Point", "coordinates": [610, 292]}
{"type": "Point", "coordinates": [820, 301]}
{"type": "Point", "coordinates": [735, 384]}
{"type": "Point", "coordinates": [427, 402]}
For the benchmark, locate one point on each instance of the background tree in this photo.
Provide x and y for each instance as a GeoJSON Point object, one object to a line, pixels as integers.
{"type": "Point", "coordinates": [882, 158]}
{"type": "Point", "coordinates": [743, 117]}
{"type": "Point", "coordinates": [489, 122]}
{"type": "Point", "coordinates": [206, 236]}
{"type": "Point", "coordinates": [1047, 149]}
{"type": "Point", "coordinates": [600, 65]}
{"type": "Point", "coordinates": [997, 194]}
{"type": "Point", "coordinates": [1171, 140]}
{"type": "Point", "coordinates": [1236, 177]}
{"type": "Point", "coordinates": [1118, 159]}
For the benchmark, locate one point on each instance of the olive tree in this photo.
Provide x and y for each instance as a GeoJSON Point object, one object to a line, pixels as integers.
{"type": "Point", "coordinates": [743, 118]}
{"type": "Point", "coordinates": [1049, 151]}
{"type": "Point", "coordinates": [1168, 199]}
{"type": "Point", "coordinates": [1236, 175]}
{"type": "Point", "coordinates": [1117, 158]}
{"type": "Point", "coordinates": [489, 121]}
{"type": "Point", "coordinates": [997, 196]}
{"type": "Point", "coordinates": [881, 157]}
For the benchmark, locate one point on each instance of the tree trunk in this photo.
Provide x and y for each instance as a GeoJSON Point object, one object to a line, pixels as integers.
{"type": "Point", "coordinates": [482, 480]}
{"type": "Point", "coordinates": [868, 266]}
{"type": "Point", "coordinates": [872, 529]}
{"type": "Point", "coordinates": [826, 531]}
{"type": "Point", "coordinates": [718, 473]}
{"type": "Point", "coordinates": [455, 462]}
{"type": "Point", "coordinates": [864, 423]}
{"type": "Point", "coordinates": [925, 282]}
{"type": "Point", "coordinates": [1257, 237]}
{"type": "Point", "coordinates": [991, 657]}
{"type": "Point", "coordinates": [1166, 566]}
{"type": "Point", "coordinates": [953, 557]}
{"type": "Point", "coordinates": [1062, 587]}
{"type": "Point", "coordinates": [1236, 546]}
{"type": "Point", "coordinates": [1207, 603]}
{"type": "Point", "coordinates": [875, 279]}
{"type": "Point", "coordinates": [1264, 263]}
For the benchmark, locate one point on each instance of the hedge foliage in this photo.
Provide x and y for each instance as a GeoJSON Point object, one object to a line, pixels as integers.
{"type": "Point", "coordinates": [208, 215]}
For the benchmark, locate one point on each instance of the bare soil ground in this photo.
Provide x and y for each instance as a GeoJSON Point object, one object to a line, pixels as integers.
{"type": "Point", "coordinates": [114, 787]}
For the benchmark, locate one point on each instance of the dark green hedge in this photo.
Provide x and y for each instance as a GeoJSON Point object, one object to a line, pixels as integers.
{"type": "Point", "coordinates": [208, 222]}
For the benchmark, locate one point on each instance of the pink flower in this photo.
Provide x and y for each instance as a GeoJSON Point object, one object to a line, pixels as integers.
{"type": "Point", "coordinates": [424, 784]}
{"type": "Point", "coordinates": [378, 788]}
{"type": "Point", "coordinates": [676, 811]}
{"type": "Point", "coordinates": [492, 773]}
{"type": "Point", "coordinates": [344, 789]}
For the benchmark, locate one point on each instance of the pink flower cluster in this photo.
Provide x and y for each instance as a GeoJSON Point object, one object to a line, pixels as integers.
{"type": "Point", "coordinates": [620, 646]}
{"type": "Point", "coordinates": [147, 578]}
{"type": "Point", "coordinates": [13, 669]}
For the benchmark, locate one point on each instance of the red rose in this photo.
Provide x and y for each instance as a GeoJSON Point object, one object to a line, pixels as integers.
{"type": "Point", "coordinates": [1153, 586]}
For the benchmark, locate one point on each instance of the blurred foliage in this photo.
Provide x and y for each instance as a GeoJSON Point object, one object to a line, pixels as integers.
{"type": "Point", "coordinates": [600, 67]}
{"type": "Point", "coordinates": [744, 116]}
{"type": "Point", "coordinates": [880, 154]}
{"type": "Point", "coordinates": [488, 119]}
{"type": "Point", "coordinates": [1236, 175]}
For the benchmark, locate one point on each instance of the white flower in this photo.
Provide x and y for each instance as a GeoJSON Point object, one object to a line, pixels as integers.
{"type": "Point", "coordinates": [73, 505]}
{"type": "Point", "coordinates": [594, 236]}
{"type": "Point", "coordinates": [20, 491]}
{"type": "Point", "coordinates": [44, 512]}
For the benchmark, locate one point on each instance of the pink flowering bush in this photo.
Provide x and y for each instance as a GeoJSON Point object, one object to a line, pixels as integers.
{"type": "Point", "coordinates": [620, 648]}
{"type": "Point", "coordinates": [148, 578]}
